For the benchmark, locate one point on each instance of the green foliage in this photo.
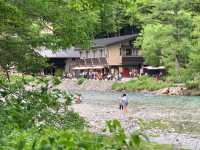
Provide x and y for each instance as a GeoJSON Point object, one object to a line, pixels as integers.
{"type": "Point", "coordinates": [142, 83]}
{"type": "Point", "coordinates": [116, 14]}
{"type": "Point", "coordinates": [81, 81]}
{"type": "Point", "coordinates": [59, 72]}
{"type": "Point", "coordinates": [26, 104]}
{"type": "Point", "coordinates": [29, 25]}
{"type": "Point", "coordinates": [166, 38]}
{"type": "Point", "coordinates": [153, 124]}
{"type": "Point", "coordinates": [73, 120]}
{"type": "Point", "coordinates": [52, 138]}
{"type": "Point", "coordinates": [194, 83]}
{"type": "Point", "coordinates": [56, 80]}
{"type": "Point", "coordinates": [170, 36]}
{"type": "Point", "coordinates": [152, 43]}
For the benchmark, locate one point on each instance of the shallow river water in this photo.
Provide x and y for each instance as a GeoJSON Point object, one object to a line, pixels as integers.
{"type": "Point", "coordinates": [188, 102]}
{"type": "Point", "coordinates": [182, 113]}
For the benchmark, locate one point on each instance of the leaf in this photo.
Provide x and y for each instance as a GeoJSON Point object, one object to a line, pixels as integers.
{"type": "Point", "coordinates": [136, 139]}
{"type": "Point", "coordinates": [21, 145]}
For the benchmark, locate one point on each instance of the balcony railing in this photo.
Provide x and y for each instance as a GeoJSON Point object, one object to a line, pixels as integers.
{"type": "Point", "coordinates": [132, 60]}
{"type": "Point", "coordinates": [89, 62]}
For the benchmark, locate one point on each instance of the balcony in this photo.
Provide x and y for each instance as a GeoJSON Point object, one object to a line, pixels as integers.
{"type": "Point", "coordinates": [89, 62]}
{"type": "Point", "coordinates": [132, 60]}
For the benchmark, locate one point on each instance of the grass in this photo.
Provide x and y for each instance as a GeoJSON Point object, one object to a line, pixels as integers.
{"type": "Point", "coordinates": [141, 83]}
{"type": "Point", "coordinates": [156, 146]}
{"type": "Point", "coordinates": [153, 124]}
{"type": "Point", "coordinates": [80, 81]}
{"type": "Point", "coordinates": [175, 126]}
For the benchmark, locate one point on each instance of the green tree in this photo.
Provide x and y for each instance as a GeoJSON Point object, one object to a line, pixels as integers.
{"type": "Point", "coordinates": [170, 40]}
{"type": "Point", "coordinates": [117, 14]}
{"type": "Point", "coordinates": [28, 25]}
{"type": "Point", "coordinates": [194, 63]}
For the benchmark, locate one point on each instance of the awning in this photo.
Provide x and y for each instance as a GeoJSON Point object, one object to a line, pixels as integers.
{"type": "Point", "coordinates": [87, 68]}
{"type": "Point", "coordinates": [154, 68]}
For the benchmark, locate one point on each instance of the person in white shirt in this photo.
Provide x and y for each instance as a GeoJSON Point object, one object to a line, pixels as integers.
{"type": "Point", "coordinates": [125, 103]}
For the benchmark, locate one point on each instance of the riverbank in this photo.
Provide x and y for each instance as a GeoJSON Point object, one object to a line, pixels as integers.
{"type": "Point", "coordinates": [87, 85]}
{"type": "Point", "coordinates": [155, 121]}
{"type": "Point", "coordinates": [102, 85]}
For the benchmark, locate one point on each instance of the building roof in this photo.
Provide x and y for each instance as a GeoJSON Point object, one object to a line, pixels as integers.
{"type": "Point", "coordinates": [66, 53]}
{"type": "Point", "coordinates": [110, 41]}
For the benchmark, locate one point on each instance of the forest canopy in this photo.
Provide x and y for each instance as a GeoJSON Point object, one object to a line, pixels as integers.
{"type": "Point", "coordinates": [168, 31]}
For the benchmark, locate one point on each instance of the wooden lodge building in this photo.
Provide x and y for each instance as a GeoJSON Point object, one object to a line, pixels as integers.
{"type": "Point", "coordinates": [110, 55]}
{"type": "Point", "coordinates": [106, 55]}
{"type": "Point", "coordinates": [61, 59]}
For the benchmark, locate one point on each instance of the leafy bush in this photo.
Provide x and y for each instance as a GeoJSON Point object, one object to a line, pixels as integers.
{"type": "Point", "coordinates": [59, 72]}
{"type": "Point", "coordinates": [81, 81]}
{"type": "Point", "coordinates": [26, 104]}
{"type": "Point", "coordinates": [192, 84]}
{"type": "Point", "coordinates": [142, 83]}
{"type": "Point", "coordinates": [52, 138]}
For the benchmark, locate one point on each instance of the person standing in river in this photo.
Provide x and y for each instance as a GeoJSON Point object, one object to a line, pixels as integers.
{"type": "Point", "coordinates": [121, 103]}
{"type": "Point", "coordinates": [125, 102]}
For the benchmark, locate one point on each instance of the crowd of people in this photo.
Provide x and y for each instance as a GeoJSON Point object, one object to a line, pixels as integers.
{"type": "Point", "coordinates": [97, 75]}
{"type": "Point", "coordinates": [94, 75]}
{"type": "Point", "coordinates": [135, 73]}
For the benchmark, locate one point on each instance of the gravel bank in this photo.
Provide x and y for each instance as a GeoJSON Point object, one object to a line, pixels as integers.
{"type": "Point", "coordinates": [95, 85]}
{"type": "Point", "coordinates": [97, 115]}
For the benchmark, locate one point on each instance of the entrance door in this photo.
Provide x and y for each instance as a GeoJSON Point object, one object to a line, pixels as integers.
{"type": "Point", "coordinates": [125, 72]}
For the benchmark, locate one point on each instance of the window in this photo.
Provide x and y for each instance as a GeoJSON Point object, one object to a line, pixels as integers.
{"type": "Point", "coordinates": [81, 54]}
{"type": "Point", "coordinates": [87, 53]}
{"type": "Point", "coordinates": [107, 54]}
{"type": "Point", "coordinates": [94, 53]}
{"type": "Point", "coordinates": [101, 52]}
{"type": "Point", "coordinates": [128, 52]}
{"type": "Point", "coordinates": [135, 52]}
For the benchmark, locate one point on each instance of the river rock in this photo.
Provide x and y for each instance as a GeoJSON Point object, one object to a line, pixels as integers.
{"type": "Point", "coordinates": [171, 91]}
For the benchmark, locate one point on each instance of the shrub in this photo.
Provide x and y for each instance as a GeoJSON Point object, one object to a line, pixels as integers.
{"type": "Point", "coordinates": [192, 84]}
{"type": "Point", "coordinates": [141, 83]}
{"type": "Point", "coordinates": [25, 105]}
{"type": "Point", "coordinates": [59, 72]}
{"type": "Point", "coordinates": [81, 81]}
{"type": "Point", "coordinates": [52, 138]}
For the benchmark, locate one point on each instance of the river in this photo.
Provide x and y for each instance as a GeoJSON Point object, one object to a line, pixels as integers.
{"type": "Point", "coordinates": [166, 119]}
{"type": "Point", "coordinates": [192, 102]}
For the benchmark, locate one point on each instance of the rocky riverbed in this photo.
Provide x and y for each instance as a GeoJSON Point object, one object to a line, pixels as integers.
{"type": "Point", "coordinates": [95, 85]}
{"type": "Point", "coordinates": [102, 85]}
{"type": "Point", "coordinates": [154, 121]}
{"type": "Point", "coordinates": [165, 119]}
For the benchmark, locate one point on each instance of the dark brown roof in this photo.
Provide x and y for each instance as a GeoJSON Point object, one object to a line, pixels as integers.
{"type": "Point", "coordinates": [110, 41]}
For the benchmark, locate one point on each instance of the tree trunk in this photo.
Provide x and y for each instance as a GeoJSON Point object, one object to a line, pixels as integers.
{"type": "Point", "coordinates": [5, 70]}
{"type": "Point", "coordinates": [177, 64]}
{"type": "Point", "coordinates": [7, 75]}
